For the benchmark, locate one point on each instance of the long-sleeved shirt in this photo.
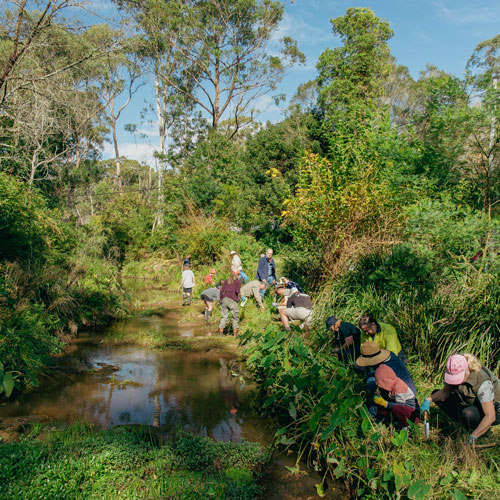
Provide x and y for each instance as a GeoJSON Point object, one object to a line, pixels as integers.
{"type": "Point", "coordinates": [235, 263]}
{"type": "Point", "coordinates": [386, 338]}
{"type": "Point", "coordinates": [252, 288]}
{"type": "Point", "coordinates": [266, 268]}
{"type": "Point", "coordinates": [230, 290]}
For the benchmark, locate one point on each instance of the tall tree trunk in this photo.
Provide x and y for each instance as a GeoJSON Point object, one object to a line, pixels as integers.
{"type": "Point", "coordinates": [115, 145]}
{"type": "Point", "coordinates": [162, 132]}
{"type": "Point", "coordinates": [491, 157]}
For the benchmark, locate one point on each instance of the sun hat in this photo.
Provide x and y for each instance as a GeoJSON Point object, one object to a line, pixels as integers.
{"type": "Point", "coordinates": [371, 354]}
{"type": "Point", "coordinates": [456, 366]}
{"type": "Point", "coordinates": [232, 252]}
{"type": "Point", "coordinates": [330, 322]}
{"type": "Point", "coordinates": [212, 271]}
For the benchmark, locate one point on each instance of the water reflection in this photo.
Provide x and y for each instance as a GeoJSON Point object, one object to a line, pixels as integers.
{"type": "Point", "coordinates": [131, 384]}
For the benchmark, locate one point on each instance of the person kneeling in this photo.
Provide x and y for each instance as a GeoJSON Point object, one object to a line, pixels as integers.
{"type": "Point", "coordinates": [396, 399]}
{"type": "Point", "coordinates": [470, 396]}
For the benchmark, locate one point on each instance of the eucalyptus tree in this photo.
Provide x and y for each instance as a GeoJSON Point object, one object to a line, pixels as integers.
{"type": "Point", "coordinates": [224, 61]}
{"type": "Point", "coordinates": [227, 50]}
{"type": "Point", "coordinates": [116, 76]}
{"type": "Point", "coordinates": [483, 71]}
{"type": "Point", "coordinates": [157, 22]}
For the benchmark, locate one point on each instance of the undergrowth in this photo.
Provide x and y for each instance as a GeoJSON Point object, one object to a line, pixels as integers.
{"type": "Point", "coordinates": [128, 462]}
{"type": "Point", "coordinates": [321, 406]}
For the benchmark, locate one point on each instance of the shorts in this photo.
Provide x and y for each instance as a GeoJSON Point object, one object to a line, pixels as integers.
{"type": "Point", "coordinates": [205, 298]}
{"type": "Point", "coordinates": [300, 313]}
{"type": "Point", "coordinates": [187, 290]}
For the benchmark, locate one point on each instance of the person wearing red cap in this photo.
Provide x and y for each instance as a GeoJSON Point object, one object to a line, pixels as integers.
{"type": "Point", "coordinates": [470, 396]}
{"type": "Point", "coordinates": [209, 278]}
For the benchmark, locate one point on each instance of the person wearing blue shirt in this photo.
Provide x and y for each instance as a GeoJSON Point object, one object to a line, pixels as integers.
{"type": "Point", "coordinates": [266, 269]}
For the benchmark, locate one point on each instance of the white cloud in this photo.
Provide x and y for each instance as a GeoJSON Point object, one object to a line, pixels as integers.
{"type": "Point", "coordinates": [140, 151]}
{"type": "Point", "coordinates": [472, 13]}
{"type": "Point", "coordinates": [304, 33]}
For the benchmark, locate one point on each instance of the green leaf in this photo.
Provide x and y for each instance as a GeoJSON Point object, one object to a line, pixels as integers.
{"type": "Point", "coordinates": [268, 360]}
{"type": "Point", "coordinates": [398, 481]}
{"type": "Point", "coordinates": [418, 490]}
{"type": "Point", "coordinates": [365, 425]}
{"type": "Point", "coordinates": [292, 411]}
{"type": "Point", "coordinates": [315, 419]}
{"type": "Point", "coordinates": [335, 420]}
{"type": "Point", "coordinates": [340, 469]}
{"type": "Point", "coordinates": [370, 473]}
{"type": "Point", "coordinates": [320, 490]}
{"type": "Point", "coordinates": [281, 431]}
{"type": "Point", "coordinates": [8, 384]}
{"type": "Point", "coordinates": [270, 400]}
{"type": "Point", "coordinates": [287, 441]}
{"type": "Point", "coordinates": [446, 480]}
{"type": "Point", "coordinates": [458, 495]}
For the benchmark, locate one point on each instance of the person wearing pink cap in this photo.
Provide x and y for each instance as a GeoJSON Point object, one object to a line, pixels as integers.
{"type": "Point", "coordinates": [470, 396]}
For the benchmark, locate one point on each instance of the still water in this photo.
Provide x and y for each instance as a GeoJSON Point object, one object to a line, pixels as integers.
{"type": "Point", "coordinates": [129, 384]}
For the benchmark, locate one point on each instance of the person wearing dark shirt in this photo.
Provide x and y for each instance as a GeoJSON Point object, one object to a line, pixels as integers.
{"type": "Point", "coordinates": [349, 339]}
{"type": "Point", "coordinates": [298, 307]}
{"type": "Point", "coordinates": [288, 284]}
{"type": "Point", "coordinates": [229, 297]}
{"type": "Point", "coordinates": [266, 269]}
{"type": "Point", "coordinates": [372, 356]}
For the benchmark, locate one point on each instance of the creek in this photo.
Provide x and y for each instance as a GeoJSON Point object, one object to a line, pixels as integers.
{"type": "Point", "coordinates": [201, 391]}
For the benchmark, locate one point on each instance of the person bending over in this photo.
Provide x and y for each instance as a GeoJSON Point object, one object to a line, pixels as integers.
{"type": "Point", "coordinates": [349, 339]}
{"type": "Point", "coordinates": [396, 402]}
{"type": "Point", "coordinates": [383, 334]}
{"type": "Point", "coordinates": [470, 396]}
{"type": "Point", "coordinates": [253, 288]}
{"type": "Point", "coordinates": [298, 307]}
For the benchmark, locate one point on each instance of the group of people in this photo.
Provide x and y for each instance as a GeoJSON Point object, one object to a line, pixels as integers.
{"type": "Point", "coordinates": [235, 291]}
{"type": "Point", "coordinates": [470, 395]}
{"type": "Point", "coordinates": [471, 392]}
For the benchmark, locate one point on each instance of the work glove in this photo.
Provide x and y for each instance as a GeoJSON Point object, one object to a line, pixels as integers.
{"type": "Point", "coordinates": [425, 406]}
{"type": "Point", "coordinates": [380, 401]}
{"type": "Point", "coordinates": [472, 439]}
{"type": "Point", "coordinates": [275, 304]}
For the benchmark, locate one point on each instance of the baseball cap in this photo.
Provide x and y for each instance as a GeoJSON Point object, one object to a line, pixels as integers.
{"type": "Point", "coordinates": [456, 366]}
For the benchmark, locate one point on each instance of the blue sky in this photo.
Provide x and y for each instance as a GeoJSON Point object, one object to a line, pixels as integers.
{"type": "Point", "coordinates": [439, 32]}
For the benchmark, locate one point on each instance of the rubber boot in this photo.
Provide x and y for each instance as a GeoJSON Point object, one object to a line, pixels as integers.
{"type": "Point", "coordinates": [209, 316]}
{"type": "Point", "coordinates": [189, 300]}
{"type": "Point", "coordinates": [206, 316]}
{"type": "Point", "coordinates": [183, 299]}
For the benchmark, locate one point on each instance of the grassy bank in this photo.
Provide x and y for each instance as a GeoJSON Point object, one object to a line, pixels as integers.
{"type": "Point", "coordinates": [320, 403]}
{"type": "Point", "coordinates": [127, 462]}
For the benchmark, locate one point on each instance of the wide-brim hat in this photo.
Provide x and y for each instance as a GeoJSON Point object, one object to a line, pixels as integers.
{"type": "Point", "coordinates": [372, 354]}
{"type": "Point", "coordinates": [232, 252]}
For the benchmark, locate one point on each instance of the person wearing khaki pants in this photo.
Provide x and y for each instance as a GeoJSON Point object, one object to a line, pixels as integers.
{"type": "Point", "coordinates": [229, 294]}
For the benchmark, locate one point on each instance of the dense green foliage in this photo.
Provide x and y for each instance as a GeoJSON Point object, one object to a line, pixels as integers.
{"type": "Point", "coordinates": [80, 463]}
{"type": "Point", "coordinates": [320, 403]}
{"type": "Point", "coordinates": [377, 192]}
